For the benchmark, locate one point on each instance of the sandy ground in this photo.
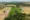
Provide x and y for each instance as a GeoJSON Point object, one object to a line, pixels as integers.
{"type": "Point", "coordinates": [2, 14]}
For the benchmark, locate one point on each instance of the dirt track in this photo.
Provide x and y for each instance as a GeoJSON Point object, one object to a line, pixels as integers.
{"type": "Point", "coordinates": [2, 14]}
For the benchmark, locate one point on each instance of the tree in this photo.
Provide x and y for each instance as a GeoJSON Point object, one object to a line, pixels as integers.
{"type": "Point", "coordinates": [16, 16]}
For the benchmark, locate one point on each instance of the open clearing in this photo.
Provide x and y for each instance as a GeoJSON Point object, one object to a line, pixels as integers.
{"type": "Point", "coordinates": [26, 10]}
{"type": "Point", "coordinates": [2, 14]}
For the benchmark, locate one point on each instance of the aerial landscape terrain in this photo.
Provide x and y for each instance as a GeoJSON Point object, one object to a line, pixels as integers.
{"type": "Point", "coordinates": [14, 10]}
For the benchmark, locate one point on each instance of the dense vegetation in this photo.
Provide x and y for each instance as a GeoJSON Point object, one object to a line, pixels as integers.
{"type": "Point", "coordinates": [15, 14]}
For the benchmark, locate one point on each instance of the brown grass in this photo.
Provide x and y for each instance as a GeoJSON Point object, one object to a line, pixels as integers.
{"type": "Point", "coordinates": [26, 10]}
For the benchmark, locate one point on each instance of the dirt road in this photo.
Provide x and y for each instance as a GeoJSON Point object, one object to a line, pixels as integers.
{"type": "Point", "coordinates": [2, 14]}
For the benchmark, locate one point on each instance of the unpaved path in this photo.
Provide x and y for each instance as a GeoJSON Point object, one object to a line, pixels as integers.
{"type": "Point", "coordinates": [2, 14]}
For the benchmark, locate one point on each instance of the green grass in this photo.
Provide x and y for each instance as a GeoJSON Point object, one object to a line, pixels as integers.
{"type": "Point", "coordinates": [12, 11]}
{"type": "Point", "coordinates": [13, 15]}
{"type": "Point", "coordinates": [18, 10]}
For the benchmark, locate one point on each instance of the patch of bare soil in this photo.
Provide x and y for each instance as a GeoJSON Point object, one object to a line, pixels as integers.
{"type": "Point", "coordinates": [2, 14]}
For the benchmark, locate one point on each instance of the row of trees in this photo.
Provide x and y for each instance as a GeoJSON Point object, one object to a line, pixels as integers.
{"type": "Point", "coordinates": [15, 15]}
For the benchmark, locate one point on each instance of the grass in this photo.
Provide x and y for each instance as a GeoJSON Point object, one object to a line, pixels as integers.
{"type": "Point", "coordinates": [18, 10]}
{"type": "Point", "coordinates": [13, 15]}
{"type": "Point", "coordinates": [12, 11]}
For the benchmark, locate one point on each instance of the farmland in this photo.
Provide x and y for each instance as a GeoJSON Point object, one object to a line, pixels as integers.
{"type": "Point", "coordinates": [14, 11]}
